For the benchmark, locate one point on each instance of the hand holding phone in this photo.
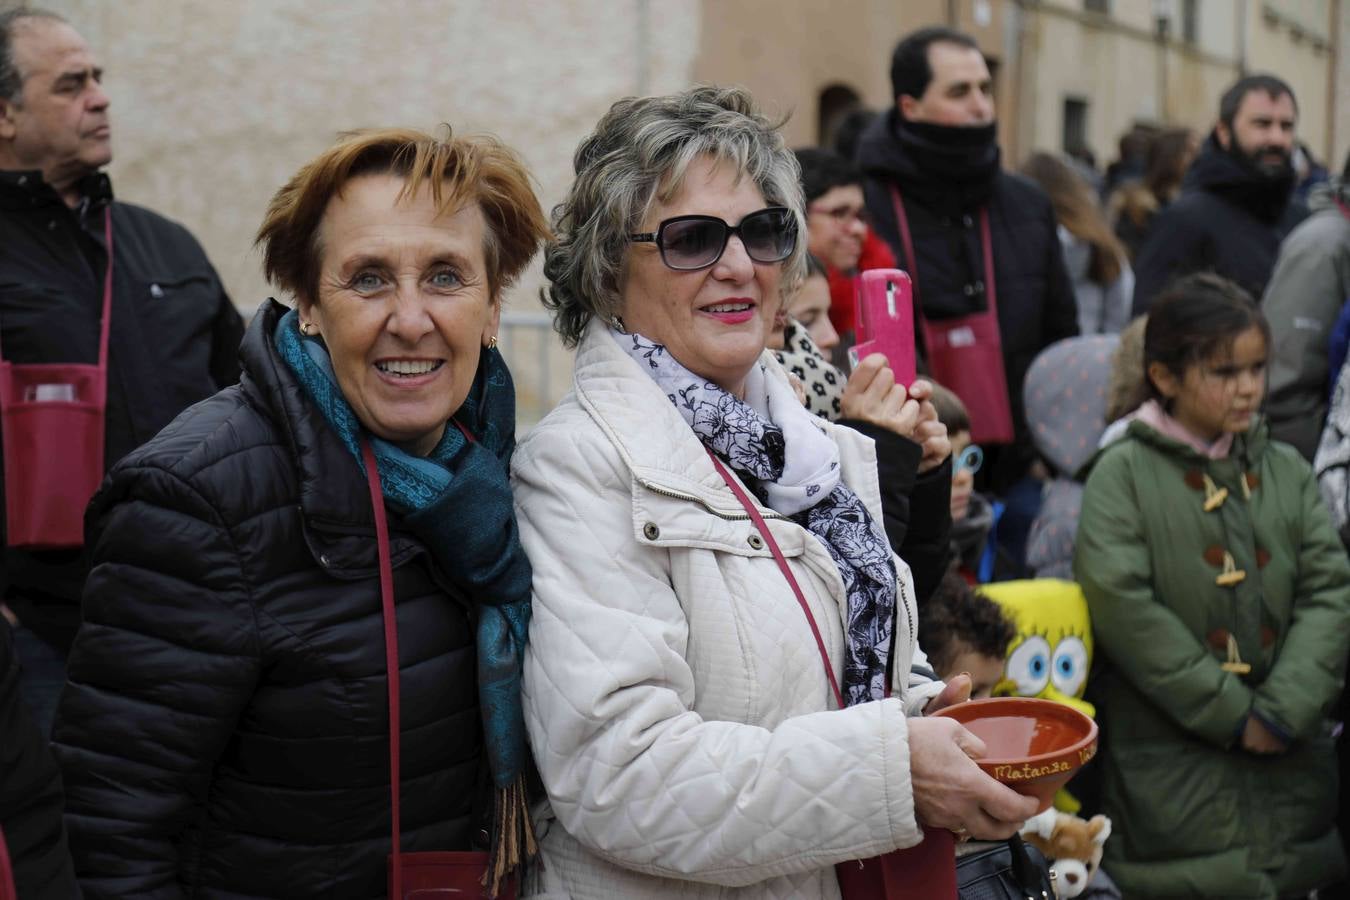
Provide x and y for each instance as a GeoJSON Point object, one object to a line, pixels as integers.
{"type": "Point", "coordinates": [885, 322]}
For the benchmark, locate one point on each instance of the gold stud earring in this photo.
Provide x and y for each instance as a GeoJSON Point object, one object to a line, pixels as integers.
{"type": "Point", "coordinates": [307, 328]}
{"type": "Point", "coordinates": [492, 342]}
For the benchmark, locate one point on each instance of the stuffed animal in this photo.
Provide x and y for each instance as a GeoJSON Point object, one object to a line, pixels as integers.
{"type": "Point", "coordinates": [1052, 652]}
{"type": "Point", "coordinates": [1071, 844]}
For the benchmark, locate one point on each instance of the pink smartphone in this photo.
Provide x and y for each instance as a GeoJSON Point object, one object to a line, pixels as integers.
{"type": "Point", "coordinates": [885, 321]}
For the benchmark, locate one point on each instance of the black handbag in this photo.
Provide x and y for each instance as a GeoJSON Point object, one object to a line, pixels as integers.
{"type": "Point", "coordinates": [1009, 870]}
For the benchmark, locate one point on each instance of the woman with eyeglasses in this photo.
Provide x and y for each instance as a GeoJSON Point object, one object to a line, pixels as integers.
{"type": "Point", "coordinates": [838, 232]}
{"type": "Point", "coordinates": [684, 723]}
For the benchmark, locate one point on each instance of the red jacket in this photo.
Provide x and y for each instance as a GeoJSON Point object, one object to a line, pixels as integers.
{"type": "Point", "coordinates": [844, 287]}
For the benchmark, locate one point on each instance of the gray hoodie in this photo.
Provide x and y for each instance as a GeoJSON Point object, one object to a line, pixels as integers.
{"type": "Point", "coordinates": [1065, 396]}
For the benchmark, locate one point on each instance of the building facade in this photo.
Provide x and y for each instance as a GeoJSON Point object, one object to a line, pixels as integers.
{"type": "Point", "coordinates": [1067, 73]}
{"type": "Point", "coordinates": [216, 104]}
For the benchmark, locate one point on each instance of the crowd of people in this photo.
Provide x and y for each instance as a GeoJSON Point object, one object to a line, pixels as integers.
{"type": "Point", "coordinates": [324, 629]}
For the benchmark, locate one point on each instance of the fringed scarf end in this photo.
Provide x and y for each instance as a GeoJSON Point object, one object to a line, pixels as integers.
{"type": "Point", "coordinates": [513, 843]}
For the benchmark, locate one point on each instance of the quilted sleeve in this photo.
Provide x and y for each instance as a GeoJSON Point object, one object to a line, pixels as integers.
{"type": "Point", "coordinates": [163, 663]}
{"type": "Point", "coordinates": [1332, 462]}
{"type": "Point", "coordinates": [1309, 674]}
{"type": "Point", "coordinates": [1148, 644]}
{"type": "Point", "coordinates": [632, 772]}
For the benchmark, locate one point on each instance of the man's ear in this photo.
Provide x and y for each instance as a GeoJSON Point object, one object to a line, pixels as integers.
{"type": "Point", "coordinates": [8, 128]}
{"type": "Point", "coordinates": [908, 106]}
{"type": "Point", "coordinates": [1223, 134]}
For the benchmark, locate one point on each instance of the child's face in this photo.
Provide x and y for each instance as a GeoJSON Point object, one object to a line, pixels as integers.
{"type": "Point", "coordinates": [811, 308]}
{"type": "Point", "coordinates": [1220, 395]}
{"type": "Point", "coordinates": [963, 479]}
{"type": "Point", "coordinates": [985, 671]}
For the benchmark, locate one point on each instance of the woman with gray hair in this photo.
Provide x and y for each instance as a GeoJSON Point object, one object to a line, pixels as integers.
{"type": "Point", "coordinates": [717, 613]}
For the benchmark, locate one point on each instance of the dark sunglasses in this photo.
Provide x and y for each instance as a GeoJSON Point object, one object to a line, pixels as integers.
{"type": "Point", "coordinates": [696, 242]}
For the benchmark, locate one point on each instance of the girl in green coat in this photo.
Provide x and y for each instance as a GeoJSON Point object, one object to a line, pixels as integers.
{"type": "Point", "coordinates": [1220, 598]}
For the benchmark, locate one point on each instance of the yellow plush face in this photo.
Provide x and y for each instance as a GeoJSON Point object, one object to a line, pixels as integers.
{"type": "Point", "coordinates": [1052, 651]}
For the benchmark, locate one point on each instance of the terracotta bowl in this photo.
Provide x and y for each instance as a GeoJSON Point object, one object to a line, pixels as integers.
{"type": "Point", "coordinates": [1034, 745]}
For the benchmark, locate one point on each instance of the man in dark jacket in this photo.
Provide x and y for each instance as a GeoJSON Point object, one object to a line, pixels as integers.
{"type": "Point", "coordinates": [1236, 200]}
{"type": "Point", "coordinates": [935, 156]}
{"type": "Point", "coordinates": [174, 333]}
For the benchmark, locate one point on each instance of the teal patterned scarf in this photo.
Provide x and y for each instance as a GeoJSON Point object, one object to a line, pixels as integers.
{"type": "Point", "coordinates": [480, 553]}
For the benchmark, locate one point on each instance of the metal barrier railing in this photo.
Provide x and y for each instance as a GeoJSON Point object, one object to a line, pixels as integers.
{"type": "Point", "coordinates": [540, 365]}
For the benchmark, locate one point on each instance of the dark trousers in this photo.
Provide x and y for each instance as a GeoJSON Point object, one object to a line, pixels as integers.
{"type": "Point", "coordinates": [42, 677]}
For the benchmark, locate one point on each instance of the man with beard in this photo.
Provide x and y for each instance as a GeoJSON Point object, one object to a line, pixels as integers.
{"type": "Point", "coordinates": [1235, 205]}
{"type": "Point", "coordinates": [172, 336]}
{"type": "Point", "coordinates": [980, 244]}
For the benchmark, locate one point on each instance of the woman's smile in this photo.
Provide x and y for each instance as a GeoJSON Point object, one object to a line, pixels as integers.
{"type": "Point", "coordinates": [736, 311]}
{"type": "Point", "coordinates": [406, 373]}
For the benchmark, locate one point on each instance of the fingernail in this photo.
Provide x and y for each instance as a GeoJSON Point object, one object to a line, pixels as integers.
{"type": "Point", "coordinates": [967, 674]}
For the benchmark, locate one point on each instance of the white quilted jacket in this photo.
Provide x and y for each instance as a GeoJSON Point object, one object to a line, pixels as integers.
{"type": "Point", "coordinates": [676, 701]}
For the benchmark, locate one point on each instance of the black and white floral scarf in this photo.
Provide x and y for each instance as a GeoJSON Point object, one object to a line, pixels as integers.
{"type": "Point", "coordinates": [777, 448]}
{"type": "Point", "coordinates": [822, 383]}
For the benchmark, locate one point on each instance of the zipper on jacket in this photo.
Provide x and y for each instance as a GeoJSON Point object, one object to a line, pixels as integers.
{"type": "Point", "coordinates": [730, 517]}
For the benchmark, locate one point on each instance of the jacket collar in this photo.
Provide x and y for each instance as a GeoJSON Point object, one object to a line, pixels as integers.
{"type": "Point", "coordinates": [1224, 174]}
{"type": "Point", "coordinates": [334, 498]}
{"type": "Point", "coordinates": [946, 169]}
{"type": "Point", "coordinates": [27, 189]}
{"type": "Point", "coordinates": [657, 445]}
{"type": "Point", "coordinates": [1247, 448]}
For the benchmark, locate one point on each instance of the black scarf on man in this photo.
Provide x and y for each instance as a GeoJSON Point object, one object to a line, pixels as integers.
{"type": "Point", "coordinates": [1230, 174]}
{"type": "Point", "coordinates": [946, 168]}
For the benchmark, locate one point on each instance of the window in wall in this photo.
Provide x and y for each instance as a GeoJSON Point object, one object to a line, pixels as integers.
{"type": "Point", "coordinates": [1075, 125]}
{"type": "Point", "coordinates": [1190, 21]}
{"type": "Point", "coordinates": [1098, 6]}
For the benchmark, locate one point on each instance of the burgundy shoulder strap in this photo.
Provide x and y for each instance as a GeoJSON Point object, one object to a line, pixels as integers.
{"type": "Point", "coordinates": [7, 889]}
{"type": "Point", "coordinates": [390, 651]}
{"type": "Point", "coordinates": [907, 243]}
{"type": "Point", "coordinates": [906, 240]}
{"type": "Point", "coordinates": [106, 325]}
{"type": "Point", "coordinates": [987, 245]}
{"type": "Point", "coordinates": [764, 532]}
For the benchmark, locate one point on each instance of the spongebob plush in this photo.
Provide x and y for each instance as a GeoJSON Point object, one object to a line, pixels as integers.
{"type": "Point", "coordinates": [1050, 655]}
{"type": "Point", "coordinates": [1052, 651]}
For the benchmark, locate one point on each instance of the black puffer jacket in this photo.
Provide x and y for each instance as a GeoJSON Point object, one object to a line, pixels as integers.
{"type": "Point", "coordinates": [224, 731]}
{"type": "Point", "coordinates": [1229, 220]}
{"type": "Point", "coordinates": [1036, 304]}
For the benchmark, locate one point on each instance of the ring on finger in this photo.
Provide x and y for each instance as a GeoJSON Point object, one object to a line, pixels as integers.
{"type": "Point", "coordinates": [961, 834]}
